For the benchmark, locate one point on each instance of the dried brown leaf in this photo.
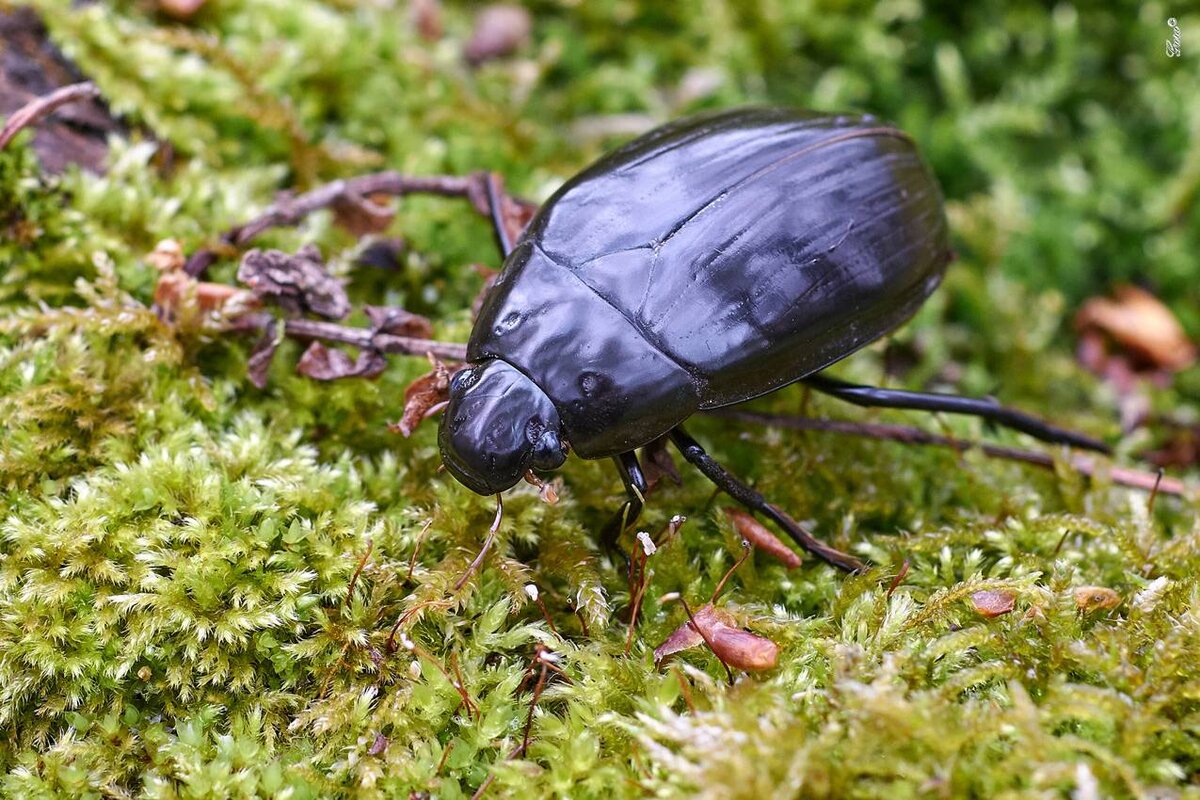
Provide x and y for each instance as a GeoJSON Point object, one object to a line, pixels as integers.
{"type": "Point", "coordinates": [361, 216]}
{"type": "Point", "coordinates": [1095, 598]}
{"type": "Point", "coordinates": [757, 535]}
{"type": "Point", "coordinates": [992, 604]}
{"type": "Point", "coordinates": [379, 746]}
{"type": "Point", "coordinates": [398, 322]}
{"type": "Point", "coordinates": [734, 646]}
{"type": "Point", "coordinates": [657, 464]}
{"type": "Point", "coordinates": [421, 396]}
{"type": "Point", "coordinates": [1141, 326]}
{"type": "Point", "coordinates": [297, 283]}
{"type": "Point", "coordinates": [426, 17]}
{"type": "Point", "coordinates": [328, 364]}
{"type": "Point", "coordinates": [181, 10]}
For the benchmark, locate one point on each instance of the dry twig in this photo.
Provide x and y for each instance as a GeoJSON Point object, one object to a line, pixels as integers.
{"type": "Point", "coordinates": [41, 107]}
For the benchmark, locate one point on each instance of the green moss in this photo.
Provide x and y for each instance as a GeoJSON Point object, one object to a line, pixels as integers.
{"type": "Point", "coordinates": [177, 547]}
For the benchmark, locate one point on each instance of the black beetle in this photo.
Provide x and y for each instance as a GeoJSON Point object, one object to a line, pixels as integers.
{"type": "Point", "coordinates": [705, 263]}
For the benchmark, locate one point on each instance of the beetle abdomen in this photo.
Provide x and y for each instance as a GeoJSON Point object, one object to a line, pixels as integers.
{"type": "Point", "coordinates": [748, 248]}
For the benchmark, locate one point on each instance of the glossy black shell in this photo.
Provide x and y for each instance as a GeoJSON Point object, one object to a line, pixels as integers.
{"type": "Point", "coordinates": [710, 261]}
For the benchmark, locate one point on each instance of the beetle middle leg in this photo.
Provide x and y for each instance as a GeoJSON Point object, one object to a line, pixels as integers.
{"type": "Point", "coordinates": [732, 486]}
{"type": "Point", "coordinates": [627, 515]}
{"type": "Point", "coordinates": [954, 404]}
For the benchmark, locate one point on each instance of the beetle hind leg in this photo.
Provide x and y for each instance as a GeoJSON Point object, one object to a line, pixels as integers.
{"type": "Point", "coordinates": [872, 396]}
{"type": "Point", "coordinates": [732, 486]}
{"type": "Point", "coordinates": [627, 516]}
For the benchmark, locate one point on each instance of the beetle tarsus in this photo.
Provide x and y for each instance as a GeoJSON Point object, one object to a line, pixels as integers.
{"type": "Point", "coordinates": [732, 486]}
{"type": "Point", "coordinates": [873, 396]}
{"type": "Point", "coordinates": [627, 516]}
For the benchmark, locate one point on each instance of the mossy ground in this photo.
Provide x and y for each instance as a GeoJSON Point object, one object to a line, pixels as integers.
{"type": "Point", "coordinates": [177, 546]}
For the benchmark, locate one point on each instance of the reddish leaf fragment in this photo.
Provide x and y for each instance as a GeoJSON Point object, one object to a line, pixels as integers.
{"type": "Point", "coordinates": [685, 637]}
{"type": "Point", "coordinates": [297, 283]}
{"type": "Point", "coordinates": [181, 10]}
{"type": "Point", "coordinates": [426, 17]}
{"type": "Point", "coordinates": [379, 746]}
{"type": "Point", "coordinates": [992, 604]}
{"type": "Point", "coordinates": [1095, 598]}
{"type": "Point", "coordinates": [657, 464]}
{"type": "Point", "coordinates": [757, 535]}
{"type": "Point", "coordinates": [500, 30]}
{"type": "Point", "coordinates": [734, 646]}
{"type": "Point", "coordinates": [327, 364]}
{"type": "Point", "coordinates": [398, 322]}
{"type": "Point", "coordinates": [361, 216]}
{"type": "Point", "coordinates": [1140, 326]}
{"type": "Point", "coordinates": [421, 396]}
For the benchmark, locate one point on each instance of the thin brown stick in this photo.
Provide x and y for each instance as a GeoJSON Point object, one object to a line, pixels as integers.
{"type": "Point", "coordinates": [362, 338]}
{"type": "Point", "coordinates": [1085, 465]}
{"type": "Point", "coordinates": [289, 211]}
{"type": "Point", "coordinates": [40, 107]}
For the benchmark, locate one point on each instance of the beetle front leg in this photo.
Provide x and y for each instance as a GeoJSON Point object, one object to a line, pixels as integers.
{"type": "Point", "coordinates": [732, 486]}
{"type": "Point", "coordinates": [627, 516]}
{"type": "Point", "coordinates": [954, 404]}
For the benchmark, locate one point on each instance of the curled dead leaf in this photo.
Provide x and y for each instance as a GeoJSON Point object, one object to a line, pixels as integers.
{"type": "Point", "coordinates": [762, 539]}
{"type": "Point", "coordinates": [1095, 598]}
{"type": "Point", "coordinates": [398, 322]}
{"type": "Point", "coordinates": [736, 647]}
{"type": "Point", "coordinates": [328, 364]}
{"type": "Point", "coordinates": [657, 464]}
{"type": "Point", "coordinates": [361, 216]}
{"type": "Point", "coordinates": [992, 604]}
{"type": "Point", "coordinates": [297, 283]}
{"type": "Point", "coordinates": [1139, 325]}
{"type": "Point", "coordinates": [422, 397]}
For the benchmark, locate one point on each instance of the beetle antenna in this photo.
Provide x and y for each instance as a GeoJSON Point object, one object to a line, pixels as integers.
{"type": "Point", "coordinates": [487, 544]}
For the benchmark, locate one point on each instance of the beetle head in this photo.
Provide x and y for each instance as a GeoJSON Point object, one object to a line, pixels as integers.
{"type": "Point", "coordinates": [497, 425]}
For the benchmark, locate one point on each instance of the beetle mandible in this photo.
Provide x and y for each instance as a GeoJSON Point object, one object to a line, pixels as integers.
{"type": "Point", "coordinates": [710, 261]}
